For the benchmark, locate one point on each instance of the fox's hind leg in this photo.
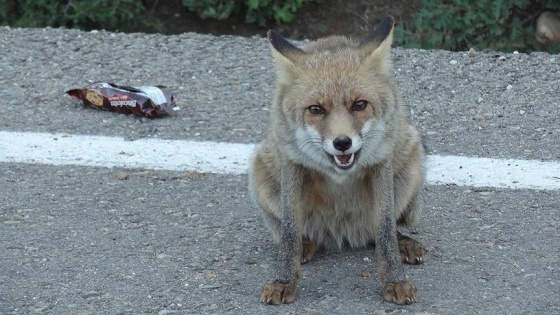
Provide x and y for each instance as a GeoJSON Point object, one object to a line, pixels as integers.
{"type": "Point", "coordinates": [412, 251]}
{"type": "Point", "coordinates": [309, 249]}
{"type": "Point", "coordinates": [273, 224]}
{"type": "Point", "coordinates": [411, 213]}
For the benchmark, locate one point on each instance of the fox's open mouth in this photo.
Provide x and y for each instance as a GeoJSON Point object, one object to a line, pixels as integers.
{"type": "Point", "coordinates": [344, 161]}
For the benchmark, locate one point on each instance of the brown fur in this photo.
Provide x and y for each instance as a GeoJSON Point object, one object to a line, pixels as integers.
{"type": "Point", "coordinates": [304, 195]}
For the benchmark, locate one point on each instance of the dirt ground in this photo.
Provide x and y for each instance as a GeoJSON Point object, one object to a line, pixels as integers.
{"type": "Point", "coordinates": [313, 20]}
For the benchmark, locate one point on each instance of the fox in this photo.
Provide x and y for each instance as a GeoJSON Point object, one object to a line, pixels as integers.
{"type": "Point", "coordinates": [340, 165]}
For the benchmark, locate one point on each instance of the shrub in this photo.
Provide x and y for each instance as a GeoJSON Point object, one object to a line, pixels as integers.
{"type": "Point", "coordinates": [215, 9]}
{"type": "Point", "coordinates": [503, 25]}
{"type": "Point", "coordinates": [124, 15]}
{"type": "Point", "coordinates": [256, 11]}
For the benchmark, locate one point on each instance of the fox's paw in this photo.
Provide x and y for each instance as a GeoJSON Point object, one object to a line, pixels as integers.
{"type": "Point", "coordinates": [402, 292]}
{"type": "Point", "coordinates": [309, 249]}
{"type": "Point", "coordinates": [412, 251]}
{"type": "Point", "coordinates": [278, 292]}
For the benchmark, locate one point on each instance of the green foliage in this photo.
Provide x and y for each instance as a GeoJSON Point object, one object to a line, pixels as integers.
{"type": "Point", "coordinates": [261, 11]}
{"type": "Point", "coordinates": [215, 9]}
{"type": "Point", "coordinates": [551, 4]}
{"type": "Point", "coordinates": [503, 25]}
{"type": "Point", "coordinates": [124, 15]}
{"type": "Point", "coordinates": [256, 11]}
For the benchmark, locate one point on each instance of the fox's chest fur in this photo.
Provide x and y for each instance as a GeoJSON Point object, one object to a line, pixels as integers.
{"type": "Point", "coordinates": [338, 213]}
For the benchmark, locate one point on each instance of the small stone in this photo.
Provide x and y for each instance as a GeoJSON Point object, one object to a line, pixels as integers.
{"type": "Point", "coordinates": [122, 175]}
{"type": "Point", "coordinates": [453, 62]}
{"type": "Point", "coordinates": [486, 192]}
{"type": "Point", "coordinates": [91, 294]}
{"type": "Point", "coordinates": [379, 312]}
{"type": "Point", "coordinates": [163, 256]}
{"type": "Point", "coordinates": [471, 52]}
{"type": "Point", "coordinates": [146, 174]}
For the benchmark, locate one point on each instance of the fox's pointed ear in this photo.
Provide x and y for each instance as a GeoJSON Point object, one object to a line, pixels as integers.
{"type": "Point", "coordinates": [380, 32]}
{"type": "Point", "coordinates": [285, 54]}
{"type": "Point", "coordinates": [282, 45]}
{"type": "Point", "coordinates": [378, 45]}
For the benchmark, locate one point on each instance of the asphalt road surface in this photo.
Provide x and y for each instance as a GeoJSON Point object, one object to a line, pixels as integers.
{"type": "Point", "coordinates": [90, 240]}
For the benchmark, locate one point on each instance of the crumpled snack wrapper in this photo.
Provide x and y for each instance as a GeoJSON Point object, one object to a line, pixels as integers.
{"type": "Point", "coordinates": [145, 101]}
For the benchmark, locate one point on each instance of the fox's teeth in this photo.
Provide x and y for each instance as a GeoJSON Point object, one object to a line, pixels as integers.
{"type": "Point", "coordinates": [344, 160]}
{"type": "Point", "coordinates": [338, 162]}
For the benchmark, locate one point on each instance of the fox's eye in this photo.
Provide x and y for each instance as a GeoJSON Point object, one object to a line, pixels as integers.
{"type": "Point", "coordinates": [316, 110]}
{"type": "Point", "coordinates": [359, 105]}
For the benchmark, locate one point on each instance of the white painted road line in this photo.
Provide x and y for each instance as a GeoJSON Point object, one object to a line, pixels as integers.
{"type": "Point", "coordinates": [157, 154]}
{"type": "Point", "coordinates": [233, 158]}
{"type": "Point", "coordinates": [486, 172]}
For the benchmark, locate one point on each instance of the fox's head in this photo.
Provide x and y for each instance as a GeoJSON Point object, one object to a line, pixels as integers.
{"type": "Point", "coordinates": [335, 102]}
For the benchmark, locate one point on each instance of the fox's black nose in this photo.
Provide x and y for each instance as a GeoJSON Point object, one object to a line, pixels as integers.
{"type": "Point", "coordinates": [342, 143]}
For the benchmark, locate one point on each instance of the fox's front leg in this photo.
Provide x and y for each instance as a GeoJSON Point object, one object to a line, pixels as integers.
{"type": "Point", "coordinates": [284, 288]}
{"type": "Point", "coordinates": [396, 288]}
